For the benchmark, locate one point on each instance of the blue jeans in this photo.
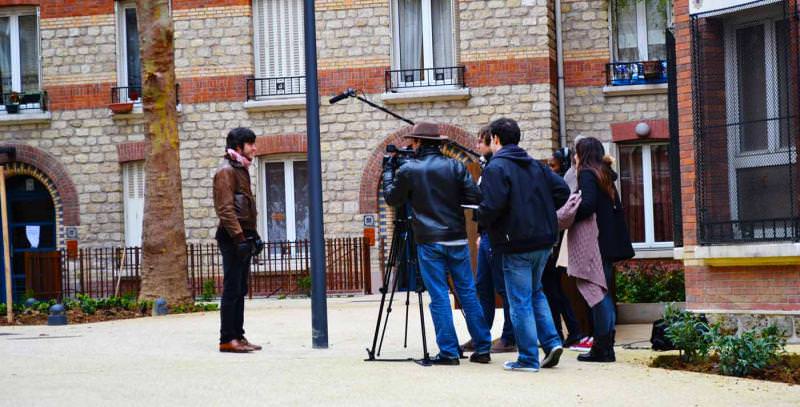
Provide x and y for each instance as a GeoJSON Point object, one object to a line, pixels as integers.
{"type": "Point", "coordinates": [435, 261]}
{"type": "Point", "coordinates": [603, 313]}
{"type": "Point", "coordinates": [488, 281]}
{"type": "Point", "coordinates": [530, 314]}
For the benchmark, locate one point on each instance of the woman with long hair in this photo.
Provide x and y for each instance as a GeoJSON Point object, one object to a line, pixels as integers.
{"type": "Point", "coordinates": [599, 197]}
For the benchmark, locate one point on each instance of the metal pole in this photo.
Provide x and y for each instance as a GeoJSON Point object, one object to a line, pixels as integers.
{"type": "Point", "coordinates": [319, 308]}
{"type": "Point", "coordinates": [6, 254]}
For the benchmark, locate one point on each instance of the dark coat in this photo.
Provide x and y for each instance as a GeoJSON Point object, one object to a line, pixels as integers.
{"type": "Point", "coordinates": [520, 198]}
{"type": "Point", "coordinates": [436, 187]}
{"type": "Point", "coordinates": [615, 243]}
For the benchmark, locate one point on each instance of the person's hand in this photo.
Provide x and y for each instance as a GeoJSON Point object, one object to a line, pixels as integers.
{"type": "Point", "coordinates": [478, 241]}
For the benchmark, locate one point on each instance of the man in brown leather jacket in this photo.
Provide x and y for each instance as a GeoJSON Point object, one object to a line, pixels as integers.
{"type": "Point", "coordinates": [236, 234]}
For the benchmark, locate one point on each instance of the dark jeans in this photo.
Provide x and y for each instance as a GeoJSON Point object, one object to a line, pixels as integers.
{"type": "Point", "coordinates": [488, 281]}
{"type": "Point", "coordinates": [560, 306]}
{"type": "Point", "coordinates": [604, 315]}
{"type": "Point", "coordinates": [234, 289]}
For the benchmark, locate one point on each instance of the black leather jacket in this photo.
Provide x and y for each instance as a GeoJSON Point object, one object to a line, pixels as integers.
{"type": "Point", "coordinates": [436, 187]}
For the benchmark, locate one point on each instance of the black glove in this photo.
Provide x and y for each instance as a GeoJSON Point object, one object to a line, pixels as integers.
{"type": "Point", "coordinates": [389, 163]}
{"type": "Point", "coordinates": [256, 244]}
{"type": "Point", "coordinates": [244, 249]}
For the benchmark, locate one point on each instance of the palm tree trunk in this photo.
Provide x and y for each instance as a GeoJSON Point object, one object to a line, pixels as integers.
{"type": "Point", "coordinates": [164, 270]}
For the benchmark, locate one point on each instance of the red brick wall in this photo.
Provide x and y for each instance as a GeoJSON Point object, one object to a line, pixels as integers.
{"type": "Point", "coordinates": [73, 8]}
{"type": "Point", "coordinates": [509, 72]}
{"type": "Point", "coordinates": [590, 72]}
{"type": "Point", "coordinates": [133, 151]}
{"type": "Point", "coordinates": [281, 144]}
{"type": "Point", "coordinates": [743, 288]}
{"type": "Point", "coordinates": [683, 37]}
{"type": "Point", "coordinates": [186, 4]}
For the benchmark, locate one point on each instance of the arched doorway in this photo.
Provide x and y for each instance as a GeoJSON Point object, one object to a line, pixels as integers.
{"type": "Point", "coordinates": [33, 238]}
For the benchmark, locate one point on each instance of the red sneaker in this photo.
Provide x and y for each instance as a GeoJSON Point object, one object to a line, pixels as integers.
{"type": "Point", "coordinates": [584, 345]}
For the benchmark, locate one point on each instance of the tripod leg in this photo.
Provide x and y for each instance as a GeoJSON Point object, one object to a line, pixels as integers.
{"type": "Point", "coordinates": [426, 357]}
{"type": "Point", "coordinates": [388, 311]}
{"type": "Point", "coordinates": [387, 274]}
{"type": "Point", "coordinates": [405, 335]}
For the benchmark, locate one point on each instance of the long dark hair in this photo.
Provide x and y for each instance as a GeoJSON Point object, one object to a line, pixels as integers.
{"type": "Point", "coordinates": [592, 157]}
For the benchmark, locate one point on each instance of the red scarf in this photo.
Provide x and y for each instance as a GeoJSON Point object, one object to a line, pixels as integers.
{"type": "Point", "coordinates": [239, 158]}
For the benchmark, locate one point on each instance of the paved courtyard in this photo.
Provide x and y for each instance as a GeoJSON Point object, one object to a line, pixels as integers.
{"type": "Point", "coordinates": [172, 360]}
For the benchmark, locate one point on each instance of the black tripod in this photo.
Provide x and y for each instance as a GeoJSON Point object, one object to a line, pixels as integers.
{"type": "Point", "coordinates": [400, 265]}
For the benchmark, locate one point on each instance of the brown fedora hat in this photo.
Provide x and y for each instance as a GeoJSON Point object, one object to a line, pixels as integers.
{"type": "Point", "coordinates": [427, 131]}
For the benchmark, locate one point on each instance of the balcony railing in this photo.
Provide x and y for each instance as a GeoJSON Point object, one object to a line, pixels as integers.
{"type": "Point", "coordinates": [425, 78]}
{"type": "Point", "coordinates": [259, 88]}
{"type": "Point", "coordinates": [27, 101]}
{"type": "Point", "coordinates": [636, 73]}
{"type": "Point", "coordinates": [124, 94]}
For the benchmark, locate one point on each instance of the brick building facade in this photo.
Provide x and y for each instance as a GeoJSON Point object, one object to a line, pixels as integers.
{"type": "Point", "coordinates": [461, 63]}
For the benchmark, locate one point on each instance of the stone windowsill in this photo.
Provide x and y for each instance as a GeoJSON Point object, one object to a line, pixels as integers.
{"type": "Point", "coordinates": [25, 118]}
{"type": "Point", "coordinates": [136, 113]}
{"type": "Point", "coordinates": [276, 103]}
{"type": "Point", "coordinates": [766, 254]}
{"type": "Point", "coordinates": [426, 95]}
{"type": "Point", "coordinates": [632, 90]}
{"type": "Point", "coordinates": [653, 253]}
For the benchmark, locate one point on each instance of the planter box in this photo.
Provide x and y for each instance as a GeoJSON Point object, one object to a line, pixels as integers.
{"type": "Point", "coordinates": [121, 108]}
{"type": "Point", "coordinates": [642, 313]}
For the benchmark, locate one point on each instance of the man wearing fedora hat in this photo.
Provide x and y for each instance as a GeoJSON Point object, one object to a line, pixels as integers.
{"type": "Point", "coordinates": [436, 186]}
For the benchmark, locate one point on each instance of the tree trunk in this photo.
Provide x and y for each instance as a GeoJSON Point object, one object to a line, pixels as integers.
{"type": "Point", "coordinates": [164, 270]}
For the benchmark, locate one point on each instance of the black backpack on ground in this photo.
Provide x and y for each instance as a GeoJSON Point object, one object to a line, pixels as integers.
{"type": "Point", "coordinates": [658, 336]}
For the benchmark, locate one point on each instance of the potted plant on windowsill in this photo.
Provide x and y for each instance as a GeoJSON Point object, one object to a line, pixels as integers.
{"type": "Point", "coordinates": [121, 107]}
{"type": "Point", "coordinates": [12, 104]}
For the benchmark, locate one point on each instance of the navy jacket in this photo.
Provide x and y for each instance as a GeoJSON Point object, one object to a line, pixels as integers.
{"type": "Point", "coordinates": [520, 198]}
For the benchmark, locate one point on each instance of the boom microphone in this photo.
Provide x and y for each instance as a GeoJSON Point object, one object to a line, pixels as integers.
{"type": "Point", "coordinates": [344, 95]}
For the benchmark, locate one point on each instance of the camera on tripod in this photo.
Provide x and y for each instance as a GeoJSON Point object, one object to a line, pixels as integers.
{"type": "Point", "coordinates": [396, 157]}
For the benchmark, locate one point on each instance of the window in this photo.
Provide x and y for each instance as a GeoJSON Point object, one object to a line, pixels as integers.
{"type": "Point", "coordinates": [646, 194]}
{"type": "Point", "coordinates": [19, 55]}
{"type": "Point", "coordinates": [279, 48]}
{"type": "Point", "coordinates": [129, 67]}
{"type": "Point", "coordinates": [423, 40]}
{"type": "Point", "coordinates": [284, 190]}
{"type": "Point", "coordinates": [133, 200]}
{"type": "Point", "coordinates": [638, 30]}
{"type": "Point", "coordinates": [760, 152]}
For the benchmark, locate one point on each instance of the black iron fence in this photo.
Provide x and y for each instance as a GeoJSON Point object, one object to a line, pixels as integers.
{"type": "Point", "coordinates": [746, 122]}
{"type": "Point", "coordinates": [258, 88]}
{"type": "Point", "coordinates": [636, 73]}
{"type": "Point", "coordinates": [125, 94]}
{"type": "Point", "coordinates": [281, 269]}
{"type": "Point", "coordinates": [14, 102]}
{"type": "Point", "coordinates": [425, 77]}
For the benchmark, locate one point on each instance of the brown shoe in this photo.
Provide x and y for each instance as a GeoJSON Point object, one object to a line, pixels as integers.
{"type": "Point", "coordinates": [499, 345]}
{"type": "Point", "coordinates": [234, 346]}
{"type": "Point", "coordinates": [247, 343]}
{"type": "Point", "coordinates": [468, 346]}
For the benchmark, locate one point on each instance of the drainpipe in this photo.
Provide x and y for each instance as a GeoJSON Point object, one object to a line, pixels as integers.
{"type": "Point", "coordinates": [562, 115]}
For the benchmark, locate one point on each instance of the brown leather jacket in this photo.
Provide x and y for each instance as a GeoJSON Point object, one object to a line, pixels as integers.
{"type": "Point", "coordinates": [233, 200]}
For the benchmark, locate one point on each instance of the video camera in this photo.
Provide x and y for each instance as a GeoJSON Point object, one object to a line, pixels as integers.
{"type": "Point", "coordinates": [395, 157]}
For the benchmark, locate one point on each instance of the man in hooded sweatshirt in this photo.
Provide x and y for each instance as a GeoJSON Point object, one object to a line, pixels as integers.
{"type": "Point", "coordinates": [518, 210]}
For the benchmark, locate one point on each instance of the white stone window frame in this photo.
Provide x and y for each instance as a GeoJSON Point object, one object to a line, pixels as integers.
{"type": "Point", "coordinates": [277, 102]}
{"type": "Point", "coordinates": [641, 29]}
{"type": "Point", "coordinates": [288, 161]}
{"type": "Point", "coordinates": [427, 46]}
{"type": "Point", "coordinates": [133, 187]}
{"type": "Point", "coordinates": [752, 159]}
{"type": "Point", "coordinates": [13, 13]}
{"type": "Point", "coordinates": [122, 45]}
{"type": "Point", "coordinates": [650, 242]}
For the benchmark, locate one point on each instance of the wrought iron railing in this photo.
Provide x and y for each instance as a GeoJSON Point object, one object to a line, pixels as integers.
{"type": "Point", "coordinates": [124, 94]}
{"type": "Point", "coordinates": [259, 88]}
{"type": "Point", "coordinates": [636, 73]}
{"type": "Point", "coordinates": [281, 268]}
{"type": "Point", "coordinates": [423, 78]}
{"type": "Point", "coordinates": [14, 102]}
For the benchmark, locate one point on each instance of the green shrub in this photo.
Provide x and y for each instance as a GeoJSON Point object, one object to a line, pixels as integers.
{"type": "Point", "coordinates": [304, 284]}
{"type": "Point", "coordinates": [753, 350]}
{"type": "Point", "coordinates": [649, 282]}
{"type": "Point", "coordinates": [689, 333]}
{"type": "Point", "coordinates": [209, 291]}
{"type": "Point", "coordinates": [3, 310]}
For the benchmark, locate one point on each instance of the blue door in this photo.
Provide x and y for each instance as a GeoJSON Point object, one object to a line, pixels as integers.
{"type": "Point", "coordinates": [31, 224]}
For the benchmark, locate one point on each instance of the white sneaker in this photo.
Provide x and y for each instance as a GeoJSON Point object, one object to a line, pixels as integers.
{"type": "Point", "coordinates": [513, 365]}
